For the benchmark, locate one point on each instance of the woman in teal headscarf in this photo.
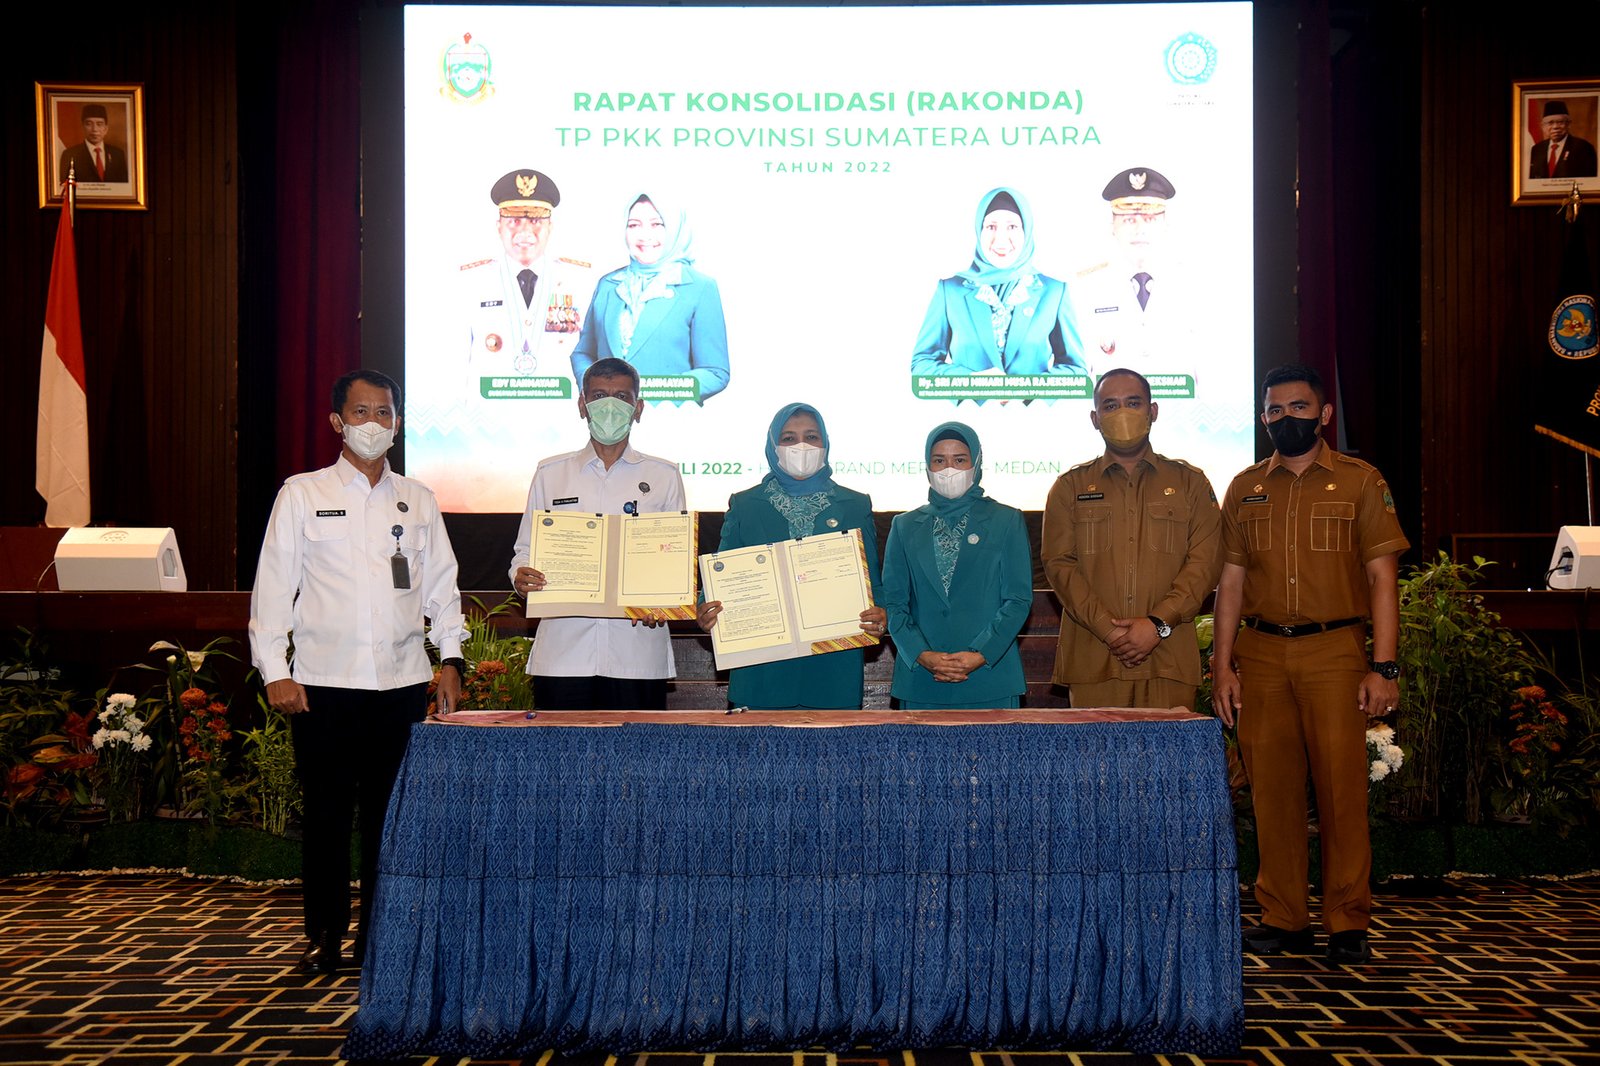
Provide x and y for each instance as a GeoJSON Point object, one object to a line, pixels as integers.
{"type": "Point", "coordinates": [799, 498]}
{"type": "Point", "coordinates": [1000, 315]}
{"type": "Point", "coordinates": [658, 312]}
{"type": "Point", "coordinates": [958, 586]}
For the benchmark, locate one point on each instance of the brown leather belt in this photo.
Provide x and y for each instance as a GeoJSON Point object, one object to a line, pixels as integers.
{"type": "Point", "coordinates": [1303, 630]}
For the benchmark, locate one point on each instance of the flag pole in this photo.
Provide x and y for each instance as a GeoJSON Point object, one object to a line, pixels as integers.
{"type": "Point", "coordinates": [1569, 213]}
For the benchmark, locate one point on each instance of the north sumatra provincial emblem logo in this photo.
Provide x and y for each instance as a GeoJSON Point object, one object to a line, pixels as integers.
{"type": "Point", "coordinates": [1572, 328]}
{"type": "Point", "coordinates": [466, 72]}
{"type": "Point", "coordinates": [1191, 59]}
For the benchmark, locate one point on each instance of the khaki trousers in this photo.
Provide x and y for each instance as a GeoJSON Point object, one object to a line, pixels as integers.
{"type": "Point", "coordinates": [1300, 716]}
{"type": "Point", "coordinates": [1155, 692]}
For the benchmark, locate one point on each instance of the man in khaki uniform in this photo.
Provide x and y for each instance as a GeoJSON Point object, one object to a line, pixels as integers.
{"type": "Point", "coordinates": [1130, 546]}
{"type": "Point", "coordinates": [1311, 550]}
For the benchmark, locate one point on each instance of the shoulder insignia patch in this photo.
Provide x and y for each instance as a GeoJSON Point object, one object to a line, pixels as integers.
{"type": "Point", "coordinates": [478, 263]}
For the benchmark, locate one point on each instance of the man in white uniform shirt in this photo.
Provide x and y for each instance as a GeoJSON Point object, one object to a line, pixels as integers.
{"type": "Point", "coordinates": [599, 664]}
{"type": "Point", "coordinates": [354, 559]}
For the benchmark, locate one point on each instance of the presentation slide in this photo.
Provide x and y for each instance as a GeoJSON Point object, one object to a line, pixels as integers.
{"type": "Point", "coordinates": [899, 215]}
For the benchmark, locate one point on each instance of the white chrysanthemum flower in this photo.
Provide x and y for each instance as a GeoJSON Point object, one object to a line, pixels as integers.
{"type": "Point", "coordinates": [141, 742]}
{"type": "Point", "coordinates": [121, 736]}
{"type": "Point", "coordinates": [100, 737]}
{"type": "Point", "coordinates": [105, 715]}
{"type": "Point", "coordinates": [133, 723]}
{"type": "Point", "coordinates": [1379, 771]}
{"type": "Point", "coordinates": [1394, 757]}
{"type": "Point", "coordinates": [121, 700]}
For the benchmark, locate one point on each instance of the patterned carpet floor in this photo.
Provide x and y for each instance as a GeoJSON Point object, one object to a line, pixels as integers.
{"type": "Point", "coordinates": [151, 970]}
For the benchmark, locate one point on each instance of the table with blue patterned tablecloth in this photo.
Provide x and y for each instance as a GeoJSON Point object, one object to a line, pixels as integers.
{"type": "Point", "coordinates": [671, 880]}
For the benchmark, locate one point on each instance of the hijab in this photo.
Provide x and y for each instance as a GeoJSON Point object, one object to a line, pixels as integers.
{"type": "Point", "coordinates": [952, 510]}
{"type": "Point", "coordinates": [639, 282]}
{"type": "Point", "coordinates": [822, 480]}
{"type": "Point", "coordinates": [983, 272]}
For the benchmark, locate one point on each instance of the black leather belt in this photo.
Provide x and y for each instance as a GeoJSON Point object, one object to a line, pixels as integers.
{"type": "Point", "coordinates": [1303, 630]}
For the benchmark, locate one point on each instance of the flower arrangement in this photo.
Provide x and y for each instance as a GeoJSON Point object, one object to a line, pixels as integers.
{"type": "Point", "coordinates": [1546, 776]}
{"type": "Point", "coordinates": [1384, 758]}
{"type": "Point", "coordinates": [122, 744]}
{"type": "Point", "coordinates": [203, 732]}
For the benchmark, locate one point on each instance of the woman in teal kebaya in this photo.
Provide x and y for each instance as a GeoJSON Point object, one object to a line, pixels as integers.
{"type": "Point", "coordinates": [658, 312]}
{"type": "Point", "coordinates": [1000, 315]}
{"type": "Point", "coordinates": [958, 586]}
{"type": "Point", "coordinates": [799, 498]}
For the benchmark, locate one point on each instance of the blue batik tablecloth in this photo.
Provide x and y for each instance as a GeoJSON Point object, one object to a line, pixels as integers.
{"type": "Point", "coordinates": [1030, 880]}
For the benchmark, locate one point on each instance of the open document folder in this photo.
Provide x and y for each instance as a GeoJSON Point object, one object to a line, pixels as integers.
{"type": "Point", "coordinates": [613, 565]}
{"type": "Point", "coordinates": [788, 599]}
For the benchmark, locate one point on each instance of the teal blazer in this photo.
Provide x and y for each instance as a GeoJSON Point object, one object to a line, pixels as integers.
{"type": "Point", "coordinates": [679, 334]}
{"type": "Point", "coordinates": [991, 595]}
{"type": "Point", "coordinates": [825, 682]}
{"type": "Point", "coordinates": [1042, 338]}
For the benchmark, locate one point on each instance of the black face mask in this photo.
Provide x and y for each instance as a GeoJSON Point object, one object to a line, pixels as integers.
{"type": "Point", "coordinates": [1293, 436]}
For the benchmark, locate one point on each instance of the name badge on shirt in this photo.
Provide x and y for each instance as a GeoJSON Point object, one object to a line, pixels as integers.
{"type": "Point", "coordinates": [1090, 496]}
{"type": "Point", "coordinates": [564, 501]}
{"type": "Point", "coordinates": [331, 514]}
{"type": "Point", "coordinates": [1255, 499]}
{"type": "Point", "coordinates": [492, 303]}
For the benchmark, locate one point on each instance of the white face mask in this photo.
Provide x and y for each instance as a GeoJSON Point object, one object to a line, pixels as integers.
{"type": "Point", "coordinates": [951, 482]}
{"type": "Point", "coordinates": [370, 440]}
{"type": "Point", "coordinates": [800, 461]}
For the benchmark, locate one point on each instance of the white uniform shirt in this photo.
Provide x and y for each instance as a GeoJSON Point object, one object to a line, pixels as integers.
{"type": "Point", "coordinates": [603, 647]}
{"type": "Point", "coordinates": [325, 575]}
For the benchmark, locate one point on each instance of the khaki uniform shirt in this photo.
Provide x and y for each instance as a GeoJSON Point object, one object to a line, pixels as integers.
{"type": "Point", "coordinates": [1121, 547]}
{"type": "Point", "coordinates": [1305, 541]}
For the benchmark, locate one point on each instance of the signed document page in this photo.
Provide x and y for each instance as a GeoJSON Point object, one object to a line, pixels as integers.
{"type": "Point", "coordinates": [830, 586]}
{"type": "Point", "coordinates": [657, 557]}
{"type": "Point", "coordinates": [570, 550]}
{"type": "Point", "coordinates": [789, 599]}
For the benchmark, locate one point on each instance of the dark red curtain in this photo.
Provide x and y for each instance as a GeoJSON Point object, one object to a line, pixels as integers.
{"type": "Point", "coordinates": [318, 225]}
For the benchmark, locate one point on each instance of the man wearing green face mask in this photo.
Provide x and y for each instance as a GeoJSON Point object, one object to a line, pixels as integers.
{"type": "Point", "coordinates": [1130, 546]}
{"type": "Point", "coordinates": [599, 664]}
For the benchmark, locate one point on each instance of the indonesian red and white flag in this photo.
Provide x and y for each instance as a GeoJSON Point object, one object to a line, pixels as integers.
{"type": "Point", "coordinates": [62, 470]}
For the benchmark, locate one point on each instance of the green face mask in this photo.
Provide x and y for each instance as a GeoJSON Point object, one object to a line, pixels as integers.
{"type": "Point", "coordinates": [609, 419]}
{"type": "Point", "coordinates": [1126, 427]}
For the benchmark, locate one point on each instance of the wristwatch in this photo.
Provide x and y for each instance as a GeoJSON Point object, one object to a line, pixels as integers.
{"type": "Point", "coordinates": [460, 665]}
{"type": "Point", "coordinates": [1388, 670]}
{"type": "Point", "coordinates": [1163, 630]}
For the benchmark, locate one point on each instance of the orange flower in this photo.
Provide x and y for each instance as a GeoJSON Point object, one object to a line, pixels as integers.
{"type": "Point", "coordinates": [193, 699]}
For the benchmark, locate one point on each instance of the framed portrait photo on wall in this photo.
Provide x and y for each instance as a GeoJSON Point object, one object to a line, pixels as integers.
{"type": "Point", "coordinates": [1555, 126]}
{"type": "Point", "coordinates": [95, 132]}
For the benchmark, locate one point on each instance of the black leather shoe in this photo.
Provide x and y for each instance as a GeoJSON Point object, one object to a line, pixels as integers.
{"type": "Point", "coordinates": [320, 956]}
{"type": "Point", "coordinates": [1270, 940]}
{"type": "Point", "coordinates": [1349, 947]}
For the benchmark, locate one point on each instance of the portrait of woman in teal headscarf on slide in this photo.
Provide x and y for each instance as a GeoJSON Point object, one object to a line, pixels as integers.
{"type": "Point", "coordinates": [658, 312]}
{"type": "Point", "coordinates": [957, 585]}
{"type": "Point", "coordinates": [799, 498]}
{"type": "Point", "coordinates": [999, 315]}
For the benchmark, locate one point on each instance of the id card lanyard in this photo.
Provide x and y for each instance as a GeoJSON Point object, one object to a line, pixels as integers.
{"type": "Point", "coordinates": [398, 568]}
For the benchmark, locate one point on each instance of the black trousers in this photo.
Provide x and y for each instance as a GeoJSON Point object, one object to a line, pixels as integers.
{"type": "Point", "coordinates": [599, 693]}
{"type": "Point", "coordinates": [348, 746]}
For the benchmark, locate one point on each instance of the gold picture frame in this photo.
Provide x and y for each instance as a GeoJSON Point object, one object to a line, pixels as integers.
{"type": "Point", "coordinates": [94, 130]}
{"type": "Point", "coordinates": [1541, 174]}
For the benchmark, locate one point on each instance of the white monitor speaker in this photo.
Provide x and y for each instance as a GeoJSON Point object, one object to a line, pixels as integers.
{"type": "Point", "coordinates": [91, 559]}
{"type": "Point", "coordinates": [1575, 563]}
